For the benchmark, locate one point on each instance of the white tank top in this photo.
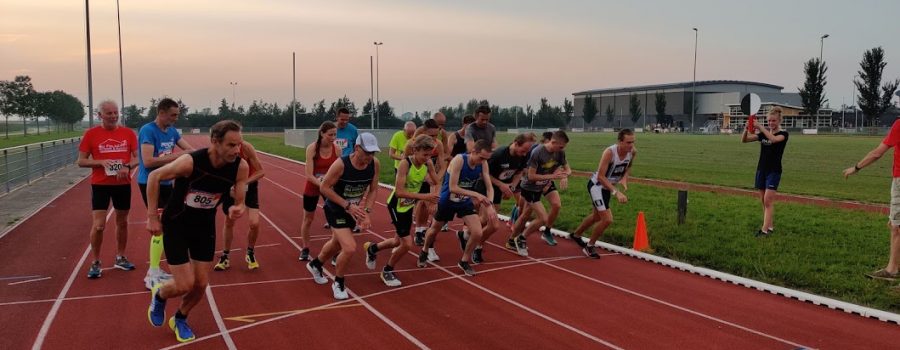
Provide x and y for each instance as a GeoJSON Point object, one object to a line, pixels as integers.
{"type": "Point", "coordinates": [617, 166]}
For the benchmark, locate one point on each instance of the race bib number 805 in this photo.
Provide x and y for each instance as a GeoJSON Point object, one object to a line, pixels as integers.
{"type": "Point", "coordinates": [202, 200]}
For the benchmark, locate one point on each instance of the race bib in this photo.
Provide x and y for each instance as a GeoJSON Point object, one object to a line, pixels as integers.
{"type": "Point", "coordinates": [342, 143]}
{"type": "Point", "coordinates": [201, 200]}
{"type": "Point", "coordinates": [542, 182]}
{"type": "Point", "coordinates": [354, 200]}
{"type": "Point", "coordinates": [406, 202]}
{"type": "Point", "coordinates": [457, 198]}
{"type": "Point", "coordinates": [113, 168]}
{"type": "Point", "coordinates": [164, 153]}
{"type": "Point", "coordinates": [507, 174]}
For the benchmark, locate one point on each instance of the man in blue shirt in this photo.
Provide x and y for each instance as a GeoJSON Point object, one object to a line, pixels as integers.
{"type": "Point", "coordinates": [346, 132]}
{"type": "Point", "coordinates": [158, 140]}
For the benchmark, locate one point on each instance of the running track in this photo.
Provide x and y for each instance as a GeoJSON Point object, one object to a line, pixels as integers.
{"type": "Point", "coordinates": [554, 299]}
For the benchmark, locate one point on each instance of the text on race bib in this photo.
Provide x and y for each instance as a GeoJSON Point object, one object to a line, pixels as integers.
{"type": "Point", "coordinates": [507, 174]}
{"type": "Point", "coordinates": [202, 200]}
{"type": "Point", "coordinates": [342, 143]}
{"type": "Point", "coordinates": [113, 168]}
{"type": "Point", "coordinates": [407, 202]}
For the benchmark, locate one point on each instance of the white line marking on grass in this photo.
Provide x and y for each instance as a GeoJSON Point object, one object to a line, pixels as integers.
{"type": "Point", "coordinates": [28, 281]}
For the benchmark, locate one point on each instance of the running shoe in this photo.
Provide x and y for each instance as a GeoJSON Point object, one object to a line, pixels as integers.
{"type": "Point", "coordinates": [153, 279]}
{"type": "Point", "coordinates": [468, 270]}
{"type": "Point", "coordinates": [122, 263]}
{"type": "Point", "coordinates": [423, 259]}
{"type": "Point", "coordinates": [521, 246]}
{"type": "Point", "coordinates": [419, 238]}
{"type": "Point", "coordinates": [334, 260]}
{"type": "Point", "coordinates": [390, 279]}
{"type": "Point", "coordinates": [432, 255]}
{"type": "Point", "coordinates": [94, 271]}
{"type": "Point", "coordinates": [356, 230]}
{"type": "Point", "coordinates": [223, 263]}
{"type": "Point", "coordinates": [511, 244]}
{"type": "Point", "coordinates": [252, 263]}
{"type": "Point", "coordinates": [318, 275]}
{"type": "Point", "coordinates": [446, 227]}
{"type": "Point", "coordinates": [547, 236]}
{"type": "Point", "coordinates": [761, 233]}
{"type": "Point", "coordinates": [326, 225]}
{"type": "Point", "coordinates": [340, 292]}
{"type": "Point", "coordinates": [578, 240]}
{"type": "Point", "coordinates": [461, 235]}
{"type": "Point", "coordinates": [370, 256]}
{"type": "Point", "coordinates": [590, 252]}
{"type": "Point", "coordinates": [304, 254]}
{"type": "Point", "coordinates": [476, 256]}
{"type": "Point", "coordinates": [156, 313]}
{"type": "Point", "coordinates": [883, 275]}
{"type": "Point", "coordinates": [182, 331]}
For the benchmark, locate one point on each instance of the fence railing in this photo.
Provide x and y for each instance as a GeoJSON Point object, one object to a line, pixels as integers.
{"type": "Point", "coordinates": [21, 165]}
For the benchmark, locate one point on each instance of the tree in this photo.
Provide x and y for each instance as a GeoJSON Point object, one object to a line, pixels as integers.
{"type": "Point", "coordinates": [16, 98]}
{"type": "Point", "coordinates": [568, 110]}
{"type": "Point", "coordinates": [60, 107]}
{"type": "Point", "coordinates": [871, 102]}
{"type": "Point", "coordinates": [812, 94]}
{"type": "Point", "coordinates": [634, 108]}
{"type": "Point", "coordinates": [610, 114]}
{"type": "Point", "coordinates": [133, 116]}
{"type": "Point", "coordinates": [661, 109]}
{"type": "Point", "coordinates": [589, 111]}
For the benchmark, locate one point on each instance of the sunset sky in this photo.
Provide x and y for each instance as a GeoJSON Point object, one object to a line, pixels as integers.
{"type": "Point", "coordinates": [435, 53]}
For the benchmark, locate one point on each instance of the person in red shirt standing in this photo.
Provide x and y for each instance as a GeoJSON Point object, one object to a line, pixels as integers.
{"type": "Point", "coordinates": [110, 150]}
{"type": "Point", "coordinates": [892, 140]}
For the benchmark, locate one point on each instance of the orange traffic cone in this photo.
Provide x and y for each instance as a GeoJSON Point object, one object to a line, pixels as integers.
{"type": "Point", "coordinates": [641, 242]}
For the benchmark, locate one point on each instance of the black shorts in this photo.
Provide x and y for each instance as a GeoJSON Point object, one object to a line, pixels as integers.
{"type": "Point", "coordinates": [165, 191]}
{"type": "Point", "coordinates": [426, 187]}
{"type": "Point", "coordinates": [599, 196]}
{"type": "Point", "coordinates": [533, 196]}
{"type": "Point", "coordinates": [251, 199]}
{"type": "Point", "coordinates": [102, 194]}
{"type": "Point", "coordinates": [498, 195]}
{"type": "Point", "coordinates": [338, 217]}
{"type": "Point", "coordinates": [310, 202]}
{"type": "Point", "coordinates": [446, 211]}
{"type": "Point", "coordinates": [402, 221]}
{"type": "Point", "coordinates": [189, 239]}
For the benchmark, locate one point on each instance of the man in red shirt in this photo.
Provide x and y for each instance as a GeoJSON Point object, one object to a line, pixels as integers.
{"type": "Point", "coordinates": [110, 150]}
{"type": "Point", "coordinates": [892, 140]}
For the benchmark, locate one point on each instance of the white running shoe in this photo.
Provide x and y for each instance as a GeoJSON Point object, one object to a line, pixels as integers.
{"type": "Point", "coordinates": [432, 255]}
{"type": "Point", "coordinates": [339, 293]}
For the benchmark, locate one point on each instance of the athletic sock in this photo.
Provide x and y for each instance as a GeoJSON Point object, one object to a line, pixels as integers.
{"type": "Point", "coordinates": [156, 251]}
{"type": "Point", "coordinates": [316, 263]}
{"type": "Point", "coordinates": [225, 252]}
{"type": "Point", "coordinates": [179, 315]}
{"type": "Point", "coordinates": [373, 248]}
{"type": "Point", "coordinates": [249, 250]}
{"type": "Point", "coordinates": [340, 281]}
{"type": "Point", "coordinates": [388, 268]}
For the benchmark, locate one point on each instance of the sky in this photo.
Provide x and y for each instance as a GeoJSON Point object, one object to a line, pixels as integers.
{"type": "Point", "coordinates": [435, 53]}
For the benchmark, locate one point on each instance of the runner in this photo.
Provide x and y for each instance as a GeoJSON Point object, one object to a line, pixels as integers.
{"type": "Point", "coordinates": [481, 129]}
{"type": "Point", "coordinates": [346, 132]}
{"type": "Point", "coordinates": [547, 163]}
{"type": "Point", "coordinates": [457, 140]}
{"type": "Point", "coordinates": [398, 143]}
{"type": "Point", "coordinates": [323, 153]}
{"type": "Point", "coordinates": [110, 150]}
{"type": "Point", "coordinates": [520, 203]}
{"type": "Point", "coordinates": [423, 209]}
{"type": "Point", "coordinates": [613, 168]}
{"type": "Point", "coordinates": [251, 200]}
{"type": "Point", "coordinates": [412, 173]}
{"type": "Point", "coordinates": [158, 140]}
{"type": "Point", "coordinates": [458, 198]}
{"type": "Point", "coordinates": [202, 178]}
{"type": "Point", "coordinates": [772, 141]}
{"type": "Point", "coordinates": [505, 169]}
{"type": "Point", "coordinates": [345, 185]}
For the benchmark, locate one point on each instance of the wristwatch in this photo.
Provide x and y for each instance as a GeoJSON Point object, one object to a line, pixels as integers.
{"type": "Point", "coordinates": [614, 192]}
{"type": "Point", "coordinates": [368, 210]}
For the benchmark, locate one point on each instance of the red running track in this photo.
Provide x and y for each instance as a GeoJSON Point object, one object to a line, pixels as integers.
{"type": "Point", "coordinates": [554, 299]}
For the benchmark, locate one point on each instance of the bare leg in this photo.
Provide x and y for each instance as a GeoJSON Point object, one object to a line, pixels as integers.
{"type": "Point", "coordinates": [98, 225]}
{"type": "Point", "coordinates": [121, 231]}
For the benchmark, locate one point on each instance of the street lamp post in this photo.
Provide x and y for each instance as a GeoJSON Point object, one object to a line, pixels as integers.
{"type": "Point", "coordinates": [694, 84]}
{"type": "Point", "coordinates": [233, 84]}
{"type": "Point", "coordinates": [87, 26]}
{"type": "Point", "coordinates": [377, 78]}
{"type": "Point", "coordinates": [372, 98]}
{"type": "Point", "coordinates": [121, 72]}
{"type": "Point", "coordinates": [855, 114]}
{"type": "Point", "coordinates": [821, 47]}
{"type": "Point", "coordinates": [294, 83]}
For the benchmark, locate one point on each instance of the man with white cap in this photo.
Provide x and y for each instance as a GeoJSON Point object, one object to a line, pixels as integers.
{"type": "Point", "coordinates": [346, 183]}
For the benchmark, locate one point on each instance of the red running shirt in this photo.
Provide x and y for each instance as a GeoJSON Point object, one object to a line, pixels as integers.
{"type": "Point", "coordinates": [320, 167]}
{"type": "Point", "coordinates": [893, 140]}
{"type": "Point", "coordinates": [102, 144]}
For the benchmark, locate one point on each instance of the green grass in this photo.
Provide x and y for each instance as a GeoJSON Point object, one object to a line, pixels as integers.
{"type": "Point", "coordinates": [824, 251]}
{"type": "Point", "coordinates": [18, 140]}
{"type": "Point", "coordinates": [812, 164]}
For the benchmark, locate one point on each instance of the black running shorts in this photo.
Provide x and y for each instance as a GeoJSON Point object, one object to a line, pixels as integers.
{"type": "Point", "coordinates": [189, 239]}
{"type": "Point", "coordinates": [251, 199]}
{"type": "Point", "coordinates": [102, 194]}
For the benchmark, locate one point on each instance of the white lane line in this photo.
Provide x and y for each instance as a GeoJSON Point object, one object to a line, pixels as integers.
{"type": "Point", "coordinates": [18, 277]}
{"type": "Point", "coordinates": [219, 322]}
{"type": "Point", "coordinates": [355, 296]}
{"type": "Point", "coordinates": [677, 307]}
{"type": "Point", "coordinates": [28, 281]}
{"type": "Point", "coordinates": [45, 327]}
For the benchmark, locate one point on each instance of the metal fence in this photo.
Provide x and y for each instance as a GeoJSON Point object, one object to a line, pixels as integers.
{"type": "Point", "coordinates": [23, 164]}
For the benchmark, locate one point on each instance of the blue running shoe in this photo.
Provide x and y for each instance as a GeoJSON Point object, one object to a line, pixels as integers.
{"type": "Point", "coordinates": [157, 310]}
{"type": "Point", "coordinates": [94, 271]}
{"type": "Point", "coordinates": [182, 331]}
{"type": "Point", "coordinates": [514, 215]}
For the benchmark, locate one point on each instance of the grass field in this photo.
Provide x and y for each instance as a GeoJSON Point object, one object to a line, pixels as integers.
{"type": "Point", "coordinates": [812, 164]}
{"type": "Point", "coordinates": [820, 250]}
{"type": "Point", "coordinates": [18, 140]}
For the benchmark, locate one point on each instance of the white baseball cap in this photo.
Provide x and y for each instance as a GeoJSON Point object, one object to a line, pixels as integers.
{"type": "Point", "coordinates": [368, 142]}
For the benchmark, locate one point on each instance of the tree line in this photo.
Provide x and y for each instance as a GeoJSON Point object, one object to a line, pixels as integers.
{"type": "Point", "coordinates": [19, 99]}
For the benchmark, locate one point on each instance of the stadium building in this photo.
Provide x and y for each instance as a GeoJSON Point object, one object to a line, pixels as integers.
{"type": "Point", "coordinates": [717, 108]}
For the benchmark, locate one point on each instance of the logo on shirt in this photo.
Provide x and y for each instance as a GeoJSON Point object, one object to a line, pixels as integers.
{"type": "Point", "coordinates": [113, 146]}
{"type": "Point", "coordinates": [165, 148]}
{"type": "Point", "coordinates": [549, 164]}
{"type": "Point", "coordinates": [342, 143]}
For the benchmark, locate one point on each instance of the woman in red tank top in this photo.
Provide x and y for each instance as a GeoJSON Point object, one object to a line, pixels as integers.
{"type": "Point", "coordinates": [319, 156]}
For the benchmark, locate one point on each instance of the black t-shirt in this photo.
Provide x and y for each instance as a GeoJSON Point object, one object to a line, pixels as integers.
{"type": "Point", "coordinates": [770, 154]}
{"type": "Point", "coordinates": [504, 165]}
{"type": "Point", "coordinates": [353, 183]}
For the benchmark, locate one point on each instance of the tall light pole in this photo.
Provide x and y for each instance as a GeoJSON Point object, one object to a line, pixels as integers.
{"type": "Point", "coordinates": [372, 98]}
{"type": "Point", "coordinates": [121, 72]}
{"type": "Point", "coordinates": [377, 78]}
{"type": "Point", "coordinates": [87, 26]}
{"type": "Point", "coordinates": [855, 114]}
{"type": "Point", "coordinates": [233, 98]}
{"type": "Point", "coordinates": [694, 84]}
{"type": "Point", "coordinates": [294, 76]}
{"type": "Point", "coordinates": [821, 64]}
